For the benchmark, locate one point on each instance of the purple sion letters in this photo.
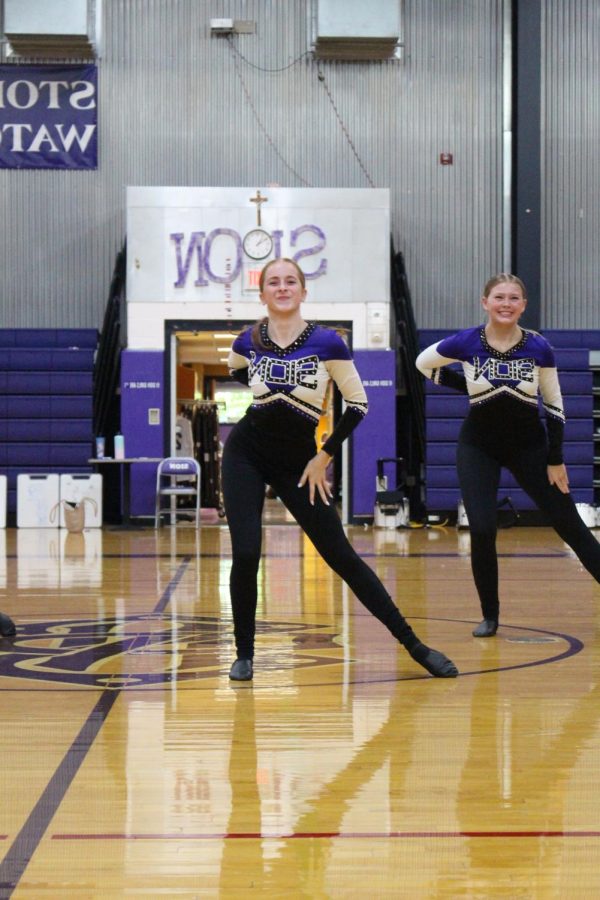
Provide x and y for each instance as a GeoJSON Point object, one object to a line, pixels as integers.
{"type": "Point", "coordinates": [197, 246]}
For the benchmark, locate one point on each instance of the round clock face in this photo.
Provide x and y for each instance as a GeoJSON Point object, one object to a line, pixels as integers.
{"type": "Point", "coordinates": [257, 244]}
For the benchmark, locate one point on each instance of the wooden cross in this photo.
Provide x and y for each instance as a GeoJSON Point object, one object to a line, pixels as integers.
{"type": "Point", "coordinates": [259, 200]}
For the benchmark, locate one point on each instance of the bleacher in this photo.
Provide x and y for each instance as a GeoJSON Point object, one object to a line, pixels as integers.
{"type": "Point", "coordinates": [45, 402]}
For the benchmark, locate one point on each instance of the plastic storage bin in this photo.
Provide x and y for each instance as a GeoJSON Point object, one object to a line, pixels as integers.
{"type": "Point", "coordinates": [37, 496]}
{"type": "Point", "coordinates": [78, 488]}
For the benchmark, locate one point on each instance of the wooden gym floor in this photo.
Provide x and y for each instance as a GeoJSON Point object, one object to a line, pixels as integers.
{"type": "Point", "coordinates": [132, 767]}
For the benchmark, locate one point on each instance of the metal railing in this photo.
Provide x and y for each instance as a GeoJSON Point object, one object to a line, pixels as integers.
{"type": "Point", "coordinates": [410, 401]}
{"type": "Point", "coordinates": [107, 365]}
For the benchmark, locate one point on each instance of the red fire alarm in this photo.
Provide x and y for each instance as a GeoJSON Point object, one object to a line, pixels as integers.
{"type": "Point", "coordinates": [446, 159]}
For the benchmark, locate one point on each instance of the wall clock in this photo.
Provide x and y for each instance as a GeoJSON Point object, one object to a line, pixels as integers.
{"type": "Point", "coordinates": [257, 243]}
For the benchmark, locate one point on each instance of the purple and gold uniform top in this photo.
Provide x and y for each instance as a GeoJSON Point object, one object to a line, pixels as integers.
{"type": "Point", "coordinates": [503, 388]}
{"type": "Point", "coordinates": [289, 384]}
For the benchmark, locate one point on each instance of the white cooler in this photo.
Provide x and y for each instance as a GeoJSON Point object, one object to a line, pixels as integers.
{"type": "Point", "coordinates": [75, 489]}
{"type": "Point", "coordinates": [37, 496]}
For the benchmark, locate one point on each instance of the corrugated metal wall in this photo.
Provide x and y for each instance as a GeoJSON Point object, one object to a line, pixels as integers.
{"type": "Point", "coordinates": [179, 106]}
{"type": "Point", "coordinates": [571, 163]}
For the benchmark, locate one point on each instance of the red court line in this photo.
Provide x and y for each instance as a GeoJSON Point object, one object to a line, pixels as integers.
{"type": "Point", "coordinates": [299, 835]}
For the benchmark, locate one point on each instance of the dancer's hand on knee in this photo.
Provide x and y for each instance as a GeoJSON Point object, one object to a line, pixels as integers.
{"type": "Point", "coordinates": [557, 475]}
{"type": "Point", "coordinates": [315, 474]}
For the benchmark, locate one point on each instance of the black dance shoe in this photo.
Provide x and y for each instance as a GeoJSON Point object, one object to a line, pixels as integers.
{"type": "Point", "coordinates": [439, 665]}
{"type": "Point", "coordinates": [435, 662]}
{"type": "Point", "coordinates": [241, 670]}
{"type": "Point", "coordinates": [487, 628]}
{"type": "Point", "coordinates": [7, 626]}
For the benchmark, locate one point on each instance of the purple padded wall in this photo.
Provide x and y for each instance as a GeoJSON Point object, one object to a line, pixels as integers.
{"type": "Point", "coordinates": [375, 437]}
{"type": "Point", "coordinates": [142, 389]}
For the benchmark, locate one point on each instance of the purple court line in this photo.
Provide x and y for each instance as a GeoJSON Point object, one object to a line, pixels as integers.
{"type": "Point", "coordinates": [574, 646]}
{"type": "Point", "coordinates": [27, 840]}
{"type": "Point", "coordinates": [550, 554]}
{"type": "Point", "coordinates": [170, 588]}
{"type": "Point", "coordinates": [308, 835]}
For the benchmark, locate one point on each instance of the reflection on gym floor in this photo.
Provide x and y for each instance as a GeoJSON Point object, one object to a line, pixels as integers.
{"type": "Point", "coordinates": [133, 766]}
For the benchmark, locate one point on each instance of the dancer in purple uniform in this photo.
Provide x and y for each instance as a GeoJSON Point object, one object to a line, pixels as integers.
{"type": "Point", "coordinates": [504, 368]}
{"type": "Point", "coordinates": [7, 626]}
{"type": "Point", "coordinates": [288, 364]}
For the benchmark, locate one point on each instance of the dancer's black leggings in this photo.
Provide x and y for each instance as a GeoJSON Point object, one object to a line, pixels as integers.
{"type": "Point", "coordinates": [479, 477]}
{"type": "Point", "coordinates": [249, 463]}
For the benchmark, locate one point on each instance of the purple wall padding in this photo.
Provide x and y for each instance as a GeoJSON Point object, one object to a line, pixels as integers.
{"type": "Point", "coordinates": [375, 437]}
{"type": "Point", "coordinates": [142, 389]}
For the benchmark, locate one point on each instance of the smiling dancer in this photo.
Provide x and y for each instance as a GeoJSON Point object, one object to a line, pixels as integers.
{"type": "Point", "coordinates": [288, 364]}
{"type": "Point", "coordinates": [505, 366]}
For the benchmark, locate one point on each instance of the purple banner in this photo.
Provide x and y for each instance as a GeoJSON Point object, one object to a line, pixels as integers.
{"type": "Point", "coordinates": [48, 117]}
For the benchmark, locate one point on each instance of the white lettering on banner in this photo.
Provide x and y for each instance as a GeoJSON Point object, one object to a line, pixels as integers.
{"type": "Point", "coordinates": [31, 93]}
{"type": "Point", "coordinates": [72, 135]}
{"type": "Point", "coordinates": [141, 384]}
{"type": "Point", "coordinates": [88, 92]}
{"type": "Point", "coordinates": [53, 87]}
{"type": "Point", "coordinates": [200, 246]}
{"type": "Point", "coordinates": [381, 383]}
{"type": "Point", "coordinates": [25, 94]}
{"type": "Point", "coordinates": [43, 135]}
{"type": "Point", "coordinates": [17, 134]}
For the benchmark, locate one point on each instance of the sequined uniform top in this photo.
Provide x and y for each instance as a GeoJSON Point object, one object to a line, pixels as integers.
{"type": "Point", "coordinates": [503, 389]}
{"type": "Point", "coordinates": [289, 383]}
